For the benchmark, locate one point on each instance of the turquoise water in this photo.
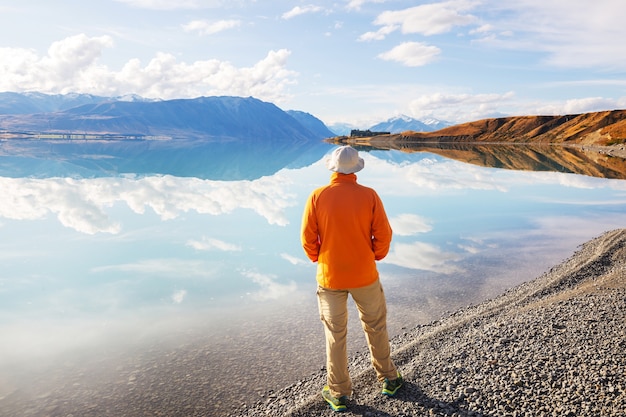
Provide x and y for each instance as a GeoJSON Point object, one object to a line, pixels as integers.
{"type": "Point", "coordinates": [92, 253]}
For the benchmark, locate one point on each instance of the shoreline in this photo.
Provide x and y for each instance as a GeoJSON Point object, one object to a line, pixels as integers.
{"type": "Point", "coordinates": [552, 346]}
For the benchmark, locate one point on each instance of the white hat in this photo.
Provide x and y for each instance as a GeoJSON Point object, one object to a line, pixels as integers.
{"type": "Point", "coordinates": [345, 160]}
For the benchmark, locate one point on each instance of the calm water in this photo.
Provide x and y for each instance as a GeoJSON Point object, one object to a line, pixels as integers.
{"type": "Point", "coordinates": [107, 248]}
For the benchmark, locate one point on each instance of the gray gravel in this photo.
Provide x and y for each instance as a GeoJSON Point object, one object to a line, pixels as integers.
{"type": "Point", "coordinates": [551, 347]}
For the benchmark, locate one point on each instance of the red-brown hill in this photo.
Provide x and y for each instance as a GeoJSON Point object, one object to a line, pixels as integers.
{"type": "Point", "coordinates": [604, 128]}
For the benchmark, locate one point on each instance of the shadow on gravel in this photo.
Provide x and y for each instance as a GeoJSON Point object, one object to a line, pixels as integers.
{"type": "Point", "coordinates": [411, 401]}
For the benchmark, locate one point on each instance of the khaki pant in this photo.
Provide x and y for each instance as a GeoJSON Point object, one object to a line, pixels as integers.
{"type": "Point", "coordinates": [333, 307]}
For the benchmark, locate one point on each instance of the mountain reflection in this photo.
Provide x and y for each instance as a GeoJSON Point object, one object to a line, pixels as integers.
{"type": "Point", "coordinates": [182, 157]}
{"type": "Point", "coordinates": [525, 157]}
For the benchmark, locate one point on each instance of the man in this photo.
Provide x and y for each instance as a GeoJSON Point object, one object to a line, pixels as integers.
{"type": "Point", "coordinates": [345, 230]}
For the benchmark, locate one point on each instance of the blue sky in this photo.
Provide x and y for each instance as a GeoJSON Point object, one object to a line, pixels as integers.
{"type": "Point", "coordinates": [350, 61]}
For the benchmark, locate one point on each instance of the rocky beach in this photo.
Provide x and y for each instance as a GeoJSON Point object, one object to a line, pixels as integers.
{"type": "Point", "coordinates": [555, 346]}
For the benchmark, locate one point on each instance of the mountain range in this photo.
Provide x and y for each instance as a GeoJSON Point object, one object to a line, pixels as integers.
{"type": "Point", "coordinates": [219, 138]}
{"type": "Point", "coordinates": [131, 115]}
{"type": "Point", "coordinates": [403, 123]}
{"type": "Point", "coordinates": [395, 124]}
{"type": "Point", "coordinates": [209, 118]}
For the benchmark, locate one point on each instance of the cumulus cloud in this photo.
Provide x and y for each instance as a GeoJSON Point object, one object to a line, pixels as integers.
{"type": "Point", "coordinates": [409, 224]}
{"type": "Point", "coordinates": [379, 35]}
{"type": "Point", "coordinates": [81, 204]}
{"type": "Point", "coordinates": [412, 54]}
{"type": "Point", "coordinates": [459, 107]}
{"type": "Point", "coordinates": [427, 19]}
{"type": "Point", "coordinates": [205, 27]}
{"type": "Point", "coordinates": [582, 105]}
{"type": "Point", "coordinates": [424, 256]}
{"type": "Point", "coordinates": [207, 244]}
{"type": "Point", "coordinates": [468, 107]}
{"type": "Point", "coordinates": [270, 288]}
{"type": "Point", "coordinates": [297, 11]}
{"type": "Point", "coordinates": [72, 65]}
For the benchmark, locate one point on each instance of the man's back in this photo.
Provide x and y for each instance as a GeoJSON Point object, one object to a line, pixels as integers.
{"type": "Point", "coordinates": [345, 228]}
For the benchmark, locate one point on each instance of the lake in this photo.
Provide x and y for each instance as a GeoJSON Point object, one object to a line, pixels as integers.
{"type": "Point", "coordinates": [132, 264]}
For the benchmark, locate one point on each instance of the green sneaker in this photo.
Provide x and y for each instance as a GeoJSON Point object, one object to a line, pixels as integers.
{"type": "Point", "coordinates": [390, 387]}
{"type": "Point", "coordinates": [337, 404]}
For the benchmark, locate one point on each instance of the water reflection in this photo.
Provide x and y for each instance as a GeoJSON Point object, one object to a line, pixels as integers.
{"type": "Point", "coordinates": [524, 157]}
{"type": "Point", "coordinates": [181, 157]}
{"type": "Point", "coordinates": [203, 249]}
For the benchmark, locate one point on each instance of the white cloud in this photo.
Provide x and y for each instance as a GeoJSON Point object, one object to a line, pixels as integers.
{"type": "Point", "coordinates": [297, 11]}
{"type": "Point", "coordinates": [270, 288]}
{"type": "Point", "coordinates": [469, 107]}
{"type": "Point", "coordinates": [572, 34]}
{"type": "Point", "coordinates": [379, 35]}
{"type": "Point", "coordinates": [427, 19]}
{"type": "Point", "coordinates": [581, 105]}
{"type": "Point", "coordinates": [412, 54]}
{"type": "Point", "coordinates": [409, 224]}
{"type": "Point", "coordinates": [459, 107]}
{"type": "Point", "coordinates": [205, 27]}
{"type": "Point", "coordinates": [424, 256]}
{"type": "Point", "coordinates": [207, 244]}
{"type": "Point", "coordinates": [72, 65]}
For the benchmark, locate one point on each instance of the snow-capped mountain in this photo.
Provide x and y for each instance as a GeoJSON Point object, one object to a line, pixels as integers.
{"type": "Point", "coordinates": [403, 123]}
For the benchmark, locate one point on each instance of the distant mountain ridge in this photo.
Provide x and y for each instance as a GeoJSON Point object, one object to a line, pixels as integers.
{"type": "Point", "coordinates": [34, 102]}
{"type": "Point", "coordinates": [403, 123]}
{"type": "Point", "coordinates": [397, 124]}
{"type": "Point", "coordinates": [224, 118]}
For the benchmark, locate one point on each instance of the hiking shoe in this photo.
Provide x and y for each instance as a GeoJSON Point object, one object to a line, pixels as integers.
{"type": "Point", "coordinates": [337, 404]}
{"type": "Point", "coordinates": [390, 387]}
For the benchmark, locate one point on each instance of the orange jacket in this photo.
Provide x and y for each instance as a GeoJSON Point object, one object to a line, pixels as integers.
{"type": "Point", "coordinates": [345, 230]}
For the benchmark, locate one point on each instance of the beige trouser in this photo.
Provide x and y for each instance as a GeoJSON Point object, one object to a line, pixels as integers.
{"type": "Point", "coordinates": [333, 307]}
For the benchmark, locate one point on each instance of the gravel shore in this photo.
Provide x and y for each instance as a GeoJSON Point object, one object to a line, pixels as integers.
{"type": "Point", "coordinates": [555, 346]}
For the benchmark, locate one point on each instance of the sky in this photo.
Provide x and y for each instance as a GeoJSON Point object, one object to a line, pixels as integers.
{"type": "Point", "coordinates": [356, 62]}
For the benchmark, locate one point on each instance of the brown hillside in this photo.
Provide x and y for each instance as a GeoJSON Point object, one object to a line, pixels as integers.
{"type": "Point", "coordinates": [599, 128]}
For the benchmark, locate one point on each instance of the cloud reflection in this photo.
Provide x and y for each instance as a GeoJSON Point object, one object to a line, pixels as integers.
{"type": "Point", "coordinates": [270, 288]}
{"type": "Point", "coordinates": [81, 204]}
{"type": "Point", "coordinates": [409, 224]}
{"type": "Point", "coordinates": [163, 267]}
{"type": "Point", "coordinates": [426, 174]}
{"type": "Point", "coordinates": [179, 296]}
{"type": "Point", "coordinates": [424, 256]}
{"type": "Point", "coordinates": [295, 260]}
{"type": "Point", "coordinates": [207, 244]}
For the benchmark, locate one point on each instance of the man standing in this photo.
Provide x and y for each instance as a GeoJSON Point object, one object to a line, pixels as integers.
{"type": "Point", "coordinates": [345, 230]}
